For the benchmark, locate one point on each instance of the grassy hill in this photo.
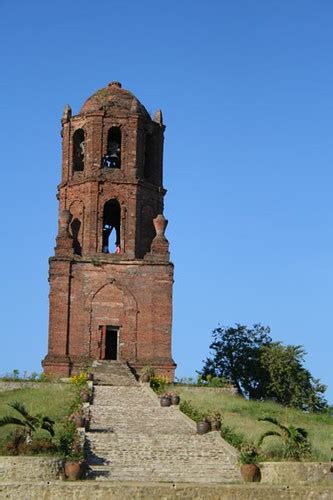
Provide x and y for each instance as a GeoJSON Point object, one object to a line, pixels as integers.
{"type": "Point", "coordinates": [242, 417]}
{"type": "Point", "coordinates": [48, 399]}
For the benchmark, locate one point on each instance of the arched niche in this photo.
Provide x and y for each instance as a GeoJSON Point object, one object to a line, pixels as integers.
{"type": "Point", "coordinates": [111, 227]}
{"type": "Point", "coordinates": [78, 150]}
{"type": "Point", "coordinates": [112, 158]}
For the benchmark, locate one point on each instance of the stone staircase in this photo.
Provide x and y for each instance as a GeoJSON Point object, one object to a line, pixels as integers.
{"type": "Point", "coordinates": [113, 373]}
{"type": "Point", "coordinates": [132, 438]}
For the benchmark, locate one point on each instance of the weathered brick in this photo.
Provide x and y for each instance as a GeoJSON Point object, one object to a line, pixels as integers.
{"type": "Point", "coordinates": [131, 290]}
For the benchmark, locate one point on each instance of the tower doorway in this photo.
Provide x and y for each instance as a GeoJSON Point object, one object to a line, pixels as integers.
{"type": "Point", "coordinates": [110, 342]}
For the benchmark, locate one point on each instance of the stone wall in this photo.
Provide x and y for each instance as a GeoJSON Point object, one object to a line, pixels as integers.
{"type": "Point", "coordinates": [296, 473]}
{"type": "Point", "coordinates": [230, 389]}
{"type": "Point", "coordinates": [12, 386]}
{"type": "Point", "coordinates": [29, 469]}
{"type": "Point", "coordinates": [83, 490]}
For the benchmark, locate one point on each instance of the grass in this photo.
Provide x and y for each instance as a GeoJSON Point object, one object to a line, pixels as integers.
{"type": "Point", "coordinates": [242, 416]}
{"type": "Point", "coordinates": [48, 399]}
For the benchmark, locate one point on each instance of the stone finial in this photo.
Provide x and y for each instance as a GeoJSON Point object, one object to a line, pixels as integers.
{"type": "Point", "coordinates": [65, 218]}
{"type": "Point", "coordinates": [67, 114]}
{"type": "Point", "coordinates": [64, 242]}
{"type": "Point", "coordinates": [160, 245]}
{"type": "Point", "coordinates": [158, 117]}
{"type": "Point", "coordinates": [115, 84]}
{"type": "Point", "coordinates": [160, 224]}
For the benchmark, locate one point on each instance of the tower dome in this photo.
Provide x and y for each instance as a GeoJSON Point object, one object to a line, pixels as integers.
{"type": "Point", "coordinates": [114, 99]}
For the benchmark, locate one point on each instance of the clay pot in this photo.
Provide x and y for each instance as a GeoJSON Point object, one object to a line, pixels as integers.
{"type": "Point", "coordinates": [145, 377]}
{"type": "Point", "coordinates": [216, 425]}
{"type": "Point", "coordinates": [165, 401]}
{"type": "Point", "coordinates": [73, 470]}
{"type": "Point", "coordinates": [85, 396]}
{"type": "Point", "coordinates": [203, 427]}
{"type": "Point", "coordinates": [79, 421]}
{"type": "Point", "coordinates": [175, 400]}
{"type": "Point", "coordinates": [250, 473]}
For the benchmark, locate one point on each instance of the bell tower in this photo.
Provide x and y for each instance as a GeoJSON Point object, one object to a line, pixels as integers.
{"type": "Point", "coordinates": [111, 276]}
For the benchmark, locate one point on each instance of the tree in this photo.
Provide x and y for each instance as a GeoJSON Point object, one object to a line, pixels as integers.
{"type": "Point", "coordinates": [29, 423]}
{"type": "Point", "coordinates": [237, 358]}
{"type": "Point", "coordinates": [295, 439]}
{"type": "Point", "coordinates": [263, 369]}
{"type": "Point", "coordinates": [289, 382]}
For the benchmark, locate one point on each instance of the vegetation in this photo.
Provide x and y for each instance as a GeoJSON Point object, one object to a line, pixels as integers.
{"type": "Point", "coordinates": [295, 439]}
{"type": "Point", "coordinates": [249, 454]}
{"type": "Point", "coordinates": [55, 399]}
{"type": "Point", "coordinates": [69, 444]}
{"type": "Point", "coordinates": [288, 382]}
{"type": "Point", "coordinates": [30, 423]}
{"type": "Point", "coordinates": [262, 369]}
{"type": "Point", "coordinates": [240, 424]}
{"type": "Point", "coordinates": [17, 376]}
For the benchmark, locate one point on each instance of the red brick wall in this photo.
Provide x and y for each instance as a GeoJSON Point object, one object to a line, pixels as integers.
{"type": "Point", "coordinates": [132, 290]}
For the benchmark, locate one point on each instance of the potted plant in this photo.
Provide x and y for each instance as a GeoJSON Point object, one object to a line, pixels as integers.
{"type": "Point", "coordinates": [175, 399]}
{"type": "Point", "coordinates": [73, 466]}
{"type": "Point", "coordinates": [249, 459]}
{"type": "Point", "coordinates": [203, 426]}
{"type": "Point", "coordinates": [147, 372]}
{"type": "Point", "coordinates": [71, 450]}
{"type": "Point", "coordinates": [78, 418]}
{"type": "Point", "coordinates": [215, 419]}
{"type": "Point", "coordinates": [85, 395]}
{"type": "Point", "coordinates": [165, 399]}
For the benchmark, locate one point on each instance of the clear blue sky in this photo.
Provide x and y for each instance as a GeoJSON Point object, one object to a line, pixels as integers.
{"type": "Point", "coordinates": [246, 88]}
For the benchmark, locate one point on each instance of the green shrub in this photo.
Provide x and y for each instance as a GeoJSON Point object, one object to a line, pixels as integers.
{"type": "Point", "coordinates": [158, 384]}
{"type": "Point", "coordinates": [249, 454]}
{"type": "Point", "coordinates": [232, 437]}
{"type": "Point", "coordinates": [190, 411]}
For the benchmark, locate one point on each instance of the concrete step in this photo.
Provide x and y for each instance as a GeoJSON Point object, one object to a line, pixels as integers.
{"type": "Point", "coordinates": [133, 438]}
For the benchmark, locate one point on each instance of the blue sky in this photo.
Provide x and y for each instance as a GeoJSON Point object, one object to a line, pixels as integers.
{"type": "Point", "coordinates": [246, 92]}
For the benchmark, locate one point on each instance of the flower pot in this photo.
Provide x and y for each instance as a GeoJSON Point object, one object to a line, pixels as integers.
{"type": "Point", "coordinates": [79, 421]}
{"type": "Point", "coordinates": [216, 425]}
{"type": "Point", "coordinates": [85, 397]}
{"type": "Point", "coordinates": [165, 401]}
{"type": "Point", "coordinates": [73, 470]}
{"type": "Point", "coordinates": [145, 377]}
{"type": "Point", "coordinates": [175, 400]}
{"type": "Point", "coordinates": [250, 473]}
{"type": "Point", "coordinates": [203, 427]}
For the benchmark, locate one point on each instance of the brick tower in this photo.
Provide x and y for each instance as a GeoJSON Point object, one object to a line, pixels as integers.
{"type": "Point", "coordinates": [111, 277]}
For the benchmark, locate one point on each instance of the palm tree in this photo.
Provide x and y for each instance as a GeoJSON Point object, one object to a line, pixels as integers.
{"type": "Point", "coordinates": [30, 423]}
{"type": "Point", "coordinates": [295, 439]}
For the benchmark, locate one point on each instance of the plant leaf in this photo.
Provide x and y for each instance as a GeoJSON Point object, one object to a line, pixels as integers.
{"type": "Point", "coordinates": [268, 433]}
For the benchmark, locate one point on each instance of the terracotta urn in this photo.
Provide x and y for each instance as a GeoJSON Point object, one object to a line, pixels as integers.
{"type": "Point", "coordinates": [203, 427]}
{"type": "Point", "coordinates": [216, 425]}
{"type": "Point", "coordinates": [175, 400]}
{"type": "Point", "coordinates": [79, 421]}
{"type": "Point", "coordinates": [165, 401]}
{"type": "Point", "coordinates": [73, 470]}
{"type": "Point", "coordinates": [250, 473]}
{"type": "Point", "coordinates": [145, 377]}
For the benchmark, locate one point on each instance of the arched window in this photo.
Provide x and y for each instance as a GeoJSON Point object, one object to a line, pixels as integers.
{"type": "Point", "coordinates": [112, 158]}
{"type": "Point", "coordinates": [111, 227]}
{"type": "Point", "coordinates": [75, 227]}
{"type": "Point", "coordinates": [78, 150]}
